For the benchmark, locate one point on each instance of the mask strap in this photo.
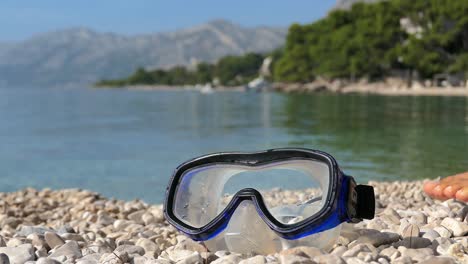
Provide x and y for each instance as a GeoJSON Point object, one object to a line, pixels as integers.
{"type": "Point", "coordinates": [365, 207]}
{"type": "Point", "coordinates": [361, 201]}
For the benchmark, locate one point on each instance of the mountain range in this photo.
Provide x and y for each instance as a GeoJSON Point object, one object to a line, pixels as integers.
{"type": "Point", "coordinates": [80, 56]}
{"type": "Point", "coordinates": [346, 4]}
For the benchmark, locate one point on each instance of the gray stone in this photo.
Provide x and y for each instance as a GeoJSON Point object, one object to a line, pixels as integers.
{"type": "Point", "coordinates": [27, 230]}
{"type": "Point", "coordinates": [307, 252]}
{"type": "Point", "coordinates": [431, 234]}
{"type": "Point", "coordinates": [284, 259]}
{"type": "Point", "coordinates": [37, 240]}
{"type": "Point", "coordinates": [189, 244]}
{"type": "Point", "coordinates": [418, 218]}
{"type": "Point", "coordinates": [329, 259]}
{"type": "Point", "coordinates": [441, 244]}
{"type": "Point", "coordinates": [72, 236]}
{"type": "Point", "coordinates": [149, 246]}
{"type": "Point", "coordinates": [388, 251]}
{"type": "Point", "coordinates": [65, 229]}
{"type": "Point", "coordinates": [413, 242]}
{"type": "Point", "coordinates": [402, 260]}
{"type": "Point", "coordinates": [254, 260]}
{"type": "Point", "coordinates": [47, 261]}
{"type": "Point", "coordinates": [353, 252]}
{"type": "Point", "coordinates": [137, 216]}
{"type": "Point", "coordinates": [131, 250]}
{"type": "Point", "coordinates": [383, 261]}
{"type": "Point", "coordinates": [411, 230]}
{"type": "Point", "coordinates": [176, 255]}
{"type": "Point", "coordinates": [19, 254]}
{"type": "Point", "coordinates": [41, 252]}
{"type": "Point", "coordinates": [104, 219]}
{"type": "Point", "coordinates": [416, 254]}
{"type": "Point", "coordinates": [115, 258]}
{"type": "Point", "coordinates": [229, 259]}
{"type": "Point", "coordinates": [53, 240]}
{"type": "Point", "coordinates": [4, 259]}
{"type": "Point", "coordinates": [194, 258]}
{"type": "Point", "coordinates": [89, 259]}
{"type": "Point", "coordinates": [355, 260]}
{"type": "Point", "coordinates": [378, 238]}
{"type": "Point", "coordinates": [208, 257]}
{"type": "Point", "coordinates": [140, 260]}
{"type": "Point", "coordinates": [339, 250]}
{"type": "Point", "coordinates": [71, 249]}
{"type": "Point", "coordinates": [438, 260]}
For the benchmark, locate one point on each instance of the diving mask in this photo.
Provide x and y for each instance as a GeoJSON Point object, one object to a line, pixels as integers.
{"type": "Point", "coordinates": [265, 201]}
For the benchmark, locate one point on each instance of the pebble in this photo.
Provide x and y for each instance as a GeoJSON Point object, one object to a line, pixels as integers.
{"type": "Point", "coordinates": [254, 260]}
{"type": "Point", "coordinates": [192, 259]}
{"type": "Point", "coordinates": [188, 244]}
{"type": "Point", "coordinates": [459, 252]}
{"type": "Point", "coordinates": [114, 258]}
{"type": "Point", "coordinates": [286, 259]}
{"type": "Point", "coordinates": [77, 226]}
{"type": "Point", "coordinates": [71, 249]}
{"type": "Point", "coordinates": [4, 259]}
{"type": "Point", "coordinates": [53, 240]}
{"type": "Point", "coordinates": [378, 238]}
{"type": "Point", "coordinates": [329, 259]}
{"type": "Point", "coordinates": [47, 261]}
{"type": "Point", "coordinates": [458, 228]}
{"type": "Point", "coordinates": [130, 250]}
{"type": "Point", "coordinates": [19, 254]}
{"type": "Point", "coordinates": [232, 259]}
{"type": "Point", "coordinates": [443, 231]}
{"type": "Point", "coordinates": [416, 254]}
{"type": "Point", "coordinates": [410, 230]}
{"type": "Point", "coordinates": [307, 252]}
{"type": "Point", "coordinates": [431, 234]}
{"type": "Point", "coordinates": [413, 242]}
{"type": "Point", "coordinates": [27, 230]}
{"type": "Point", "coordinates": [353, 252]}
{"type": "Point", "coordinates": [438, 260]}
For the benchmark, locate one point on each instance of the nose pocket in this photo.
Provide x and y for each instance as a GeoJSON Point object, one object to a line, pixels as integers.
{"type": "Point", "coordinates": [247, 232]}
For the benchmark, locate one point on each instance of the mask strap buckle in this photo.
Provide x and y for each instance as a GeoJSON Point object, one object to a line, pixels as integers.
{"type": "Point", "coordinates": [361, 202]}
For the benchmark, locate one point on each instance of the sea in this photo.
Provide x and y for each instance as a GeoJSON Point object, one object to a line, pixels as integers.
{"type": "Point", "coordinates": [125, 144]}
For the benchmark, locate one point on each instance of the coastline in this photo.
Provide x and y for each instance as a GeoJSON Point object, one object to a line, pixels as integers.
{"type": "Point", "coordinates": [76, 226]}
{"type": "Point", "coordinates": [388, 87]}
{"type": "Point", "coordinates": [384, 88]}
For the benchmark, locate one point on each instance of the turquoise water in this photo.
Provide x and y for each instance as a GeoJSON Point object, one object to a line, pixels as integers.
{"type": "Point", "coordinates": [125, 144]}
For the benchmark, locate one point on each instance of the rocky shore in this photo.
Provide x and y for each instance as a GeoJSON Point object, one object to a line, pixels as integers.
{"type": "Point", "coordinates": [76, 226]}
{"type": "Point", "coordinates": [389, 86]}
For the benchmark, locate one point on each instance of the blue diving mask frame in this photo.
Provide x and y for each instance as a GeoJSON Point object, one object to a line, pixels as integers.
{"type": "Point", "coordinates": [344, 202]}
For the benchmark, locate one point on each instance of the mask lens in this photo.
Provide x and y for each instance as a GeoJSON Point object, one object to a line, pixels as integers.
{"type": "Point", "coordinates": [292, 190]}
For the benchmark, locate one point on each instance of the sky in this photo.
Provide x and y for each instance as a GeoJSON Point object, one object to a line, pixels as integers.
{"type": "Point", "coordinates": [21, 19]}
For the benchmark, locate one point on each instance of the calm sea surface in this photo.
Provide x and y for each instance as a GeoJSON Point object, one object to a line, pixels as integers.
{"type": "Point", "coordinates": [125, 144]}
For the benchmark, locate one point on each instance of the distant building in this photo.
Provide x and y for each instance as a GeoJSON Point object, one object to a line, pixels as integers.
{"type": "Point", "coordinates": [448, 80]}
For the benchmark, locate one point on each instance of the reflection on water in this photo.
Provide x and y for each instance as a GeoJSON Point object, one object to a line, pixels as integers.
{"type": "Point", "coordinates": [126, 144]}
{"type": "Point", "coordinates": [386, 137]}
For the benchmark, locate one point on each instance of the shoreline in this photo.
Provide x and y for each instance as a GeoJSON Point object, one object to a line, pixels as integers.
{"type": "Point", "coordinates": [388, 87]}
{"type": "Point", "coordinates": [79, 226]}
{"type": "Point", "coordinates": [377, 88]}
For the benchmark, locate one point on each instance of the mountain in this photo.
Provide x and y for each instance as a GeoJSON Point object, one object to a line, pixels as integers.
{"type": "Point", "coordinates": [83, 56]}
{"type": "Point", "coordinates": [346, 4]}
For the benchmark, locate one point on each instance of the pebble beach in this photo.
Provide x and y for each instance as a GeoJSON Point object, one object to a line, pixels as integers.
{"type": "Point", "coordinates": [78, 226]}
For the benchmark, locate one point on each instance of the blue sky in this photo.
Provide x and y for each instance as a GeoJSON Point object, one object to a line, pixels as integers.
{"type": "Point", "coordinates": [20, 19]}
